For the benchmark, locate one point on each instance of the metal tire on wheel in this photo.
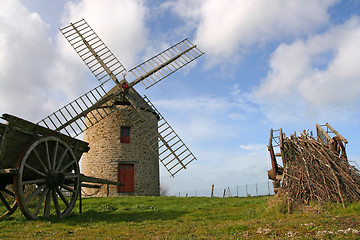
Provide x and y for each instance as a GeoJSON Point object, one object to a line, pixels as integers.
{"type": "Point", "coordinates": [7, 197]}
{"type": "Point", "coordinates": [48, 178]}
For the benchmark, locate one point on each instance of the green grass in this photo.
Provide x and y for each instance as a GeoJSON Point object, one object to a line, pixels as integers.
{"type": "Point", "coordinates": [190, 218]}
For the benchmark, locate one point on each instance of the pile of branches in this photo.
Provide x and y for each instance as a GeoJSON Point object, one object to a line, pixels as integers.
{"type": "Point", "coordinates": [313, 172]}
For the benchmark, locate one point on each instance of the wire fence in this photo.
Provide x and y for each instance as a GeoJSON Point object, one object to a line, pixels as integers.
{"type": "Point", "coordinates": [244, 190]}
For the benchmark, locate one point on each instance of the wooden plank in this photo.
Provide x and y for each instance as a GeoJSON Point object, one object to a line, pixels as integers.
{"type": "Point", "coordinates": [88, 179]}
{"type": "Point", "coordinates": [90, 185]}
{"type": "Point", "coordinates": [270, 139]}
{"type": "Point", "coordinates": [281, 137]}
{"type": "Point", "coordinates": [336, 133]}
{"type": "Point", "coordinates": [19, 133]}
{"type": "Point", "coordinates": [29, 128]}
{"type": "Point", "coordinates": [322, 131]}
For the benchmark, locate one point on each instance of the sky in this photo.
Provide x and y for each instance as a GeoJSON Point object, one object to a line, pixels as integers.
{"type": "Point", "coordinates": [267, 65]}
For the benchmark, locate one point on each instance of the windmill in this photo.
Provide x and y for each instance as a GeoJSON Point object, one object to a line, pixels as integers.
{"type": "Point", "coordinates": [117, 84]}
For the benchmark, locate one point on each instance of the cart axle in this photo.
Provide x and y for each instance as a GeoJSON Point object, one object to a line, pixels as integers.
{"type": "Point", "coordinates": [54, 179]}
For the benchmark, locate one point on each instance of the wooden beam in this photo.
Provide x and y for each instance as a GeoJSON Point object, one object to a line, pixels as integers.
{"type": "Point", "coordinates": [88, 179]}
{"type": "Point", "coordinates": [336, 133]}
{"type": "Point", "coordinates": [320, 130]}
{"type": "Point", "coordinates": [281, 137]}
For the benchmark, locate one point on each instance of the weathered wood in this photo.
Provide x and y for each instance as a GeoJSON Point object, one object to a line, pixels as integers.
{"type": "Point", "coordinates": [30, 128]}
{"type": "Point", "coordinates": [19, 133]}
{"type": "Point", "coordinates": [281, 138]}
{"type": "Point", "coordinates": [88, 179]}
{"type": "Point", "coordinates": [336, 133]}
{"type": "Point", "coordinates": [321, 131]}
{"type": "Point", "coordinates": [50, 164]}
{"type": "Point", "coordinates": [316, 173]}
{"type": "Point", "coordinates": [90, 185]}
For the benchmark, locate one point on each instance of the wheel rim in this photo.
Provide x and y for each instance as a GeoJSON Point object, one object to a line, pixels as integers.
{"type": "Point", "coordinates": [7, 197]}
{"type": "Point", "coordinates": [48, 179]}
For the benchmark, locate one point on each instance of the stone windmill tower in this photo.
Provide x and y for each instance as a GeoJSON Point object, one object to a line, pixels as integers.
{"type": "Point", "coordinates": [132, 136]}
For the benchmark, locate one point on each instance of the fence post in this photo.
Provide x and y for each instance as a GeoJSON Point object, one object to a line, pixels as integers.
{"type": "Point", "coordinates": [212, 191]}
{"type": "Point", "coordinates": [237, 190]}
{"type": "Point", "coordinates": [247, 194]}
{"type": "Point", "coordinates": [224, 192]}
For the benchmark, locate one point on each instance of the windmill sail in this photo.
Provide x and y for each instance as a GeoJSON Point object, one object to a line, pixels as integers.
{"type": "Point", "coordinates": [163, 140]}
{"type": "Point", "coordinates": [74, 118]}
{"type": "Point", "coordinates": [165, 63]}
{"type": "Point", "coordinates": [91, 49]}
{"type": "Point", "coordinates": [77, 116]}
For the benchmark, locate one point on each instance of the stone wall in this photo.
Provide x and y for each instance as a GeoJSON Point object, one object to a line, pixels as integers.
{"type": "Point", "coordinates": [106, 152]}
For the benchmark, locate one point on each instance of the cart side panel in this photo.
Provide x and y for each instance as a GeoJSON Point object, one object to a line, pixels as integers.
{"type": "Point", "coordinates": [19, 133]}
{"type": "Point", "coordinates": [12, 144]}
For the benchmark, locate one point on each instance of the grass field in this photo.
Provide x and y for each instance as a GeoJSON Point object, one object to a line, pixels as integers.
{"type": "Point", "coordinates": [190, 218]}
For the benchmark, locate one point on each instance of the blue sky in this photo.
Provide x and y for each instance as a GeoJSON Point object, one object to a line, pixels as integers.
{"type": "Point", "coordinates": [267, 64]}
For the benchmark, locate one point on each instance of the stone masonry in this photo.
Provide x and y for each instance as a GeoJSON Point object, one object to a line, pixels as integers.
{"type": "Point", "coordinates": [106, 152]}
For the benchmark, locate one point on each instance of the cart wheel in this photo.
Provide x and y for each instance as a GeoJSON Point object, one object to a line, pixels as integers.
{"type": "Point", "coordinates": [7, 197]}
{"type": "Point", "coordinates": [48, 178]}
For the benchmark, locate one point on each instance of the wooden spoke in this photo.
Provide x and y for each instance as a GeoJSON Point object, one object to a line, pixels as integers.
{"type": "Point", "coordinates": [8, 192]}
{"type": "Point", "coordinates": [40, 161]}
{"type": "Point", "coordinates": [36, 181]}
{"type": "Point", "coordinates": [40, 201]}
{"type": "Point", "coordinates": [62, 196]}
{"type": "Point", "coordinates": [66, 166]}
{"type": "Point", "coordinates": [54, 155]}
{"type": "Point", "coordinates": [68, 188]}
{"type": "Point", "coordinates": [47, 154]}
{"type": "Point", "coordinates": [7, 197]}
{"type": "Point", "coordinates": [36, 188]}
{"type": "Point", "coordinates": [3, 199]}
{"type": "Point", "coordinates": [61, 158]}
{"type": "Point", "coordinates": [35, 171]}
{"type": "Point", "coordinates": [56, 203]}
{"type": "Point", "coordinates": [47, 204]}
{"type": "Point", "coordinates": [34, 193]}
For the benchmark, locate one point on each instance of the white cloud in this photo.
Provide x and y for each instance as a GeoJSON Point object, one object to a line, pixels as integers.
{"type": "Point", "coordinates": [26, 53]}
{"type": "Point", "coordinates": [39, 74]}
{"type": "Point", "coordinates": [254, 147]}
{"type": "Point", "coordinates": [200, 118]}
{"type": "Point", "coordinates": [119, 23]}
{"type": "Point", "coordinates": [226, 29]}
{"type": "Point", "coordinates": [308, 77]}
{"type": "Point", "coordinates": [121, 26]}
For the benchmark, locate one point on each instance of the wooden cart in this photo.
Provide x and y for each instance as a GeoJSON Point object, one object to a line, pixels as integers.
{"type": "Point", "coordinates": [39, 169]}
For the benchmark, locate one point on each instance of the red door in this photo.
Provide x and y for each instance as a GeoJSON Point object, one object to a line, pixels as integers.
{"type": "Point", "coordinates": [126, 174]}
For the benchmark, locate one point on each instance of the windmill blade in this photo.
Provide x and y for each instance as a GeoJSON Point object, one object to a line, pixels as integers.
{"type": "Point", "coordinates": [95, 54]}
{"type": "Point", "coordinates": [162, 139]}
{"type": "Point", "coordinates": [82, 113]}
{"type": "Point", "coordinates": [162, 65]}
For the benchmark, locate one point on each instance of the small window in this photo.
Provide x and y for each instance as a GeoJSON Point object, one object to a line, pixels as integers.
{"type": "Point", "coordinates": [125, 134]}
